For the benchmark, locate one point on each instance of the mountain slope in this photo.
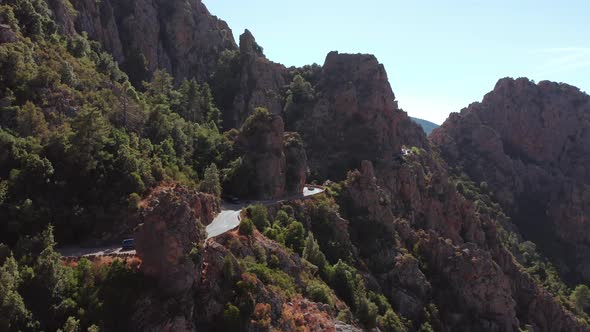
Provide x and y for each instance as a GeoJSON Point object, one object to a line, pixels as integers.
{"type": "Point", "coordinates": [398, 241]}
{"type": "Point", "coordinates": [427, 126]}
{"type": "Point", "coordinates": [530, 144]}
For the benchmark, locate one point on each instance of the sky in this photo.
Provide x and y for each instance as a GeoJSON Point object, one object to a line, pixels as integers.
{"type": "Point", "coordinates": [440, 56]}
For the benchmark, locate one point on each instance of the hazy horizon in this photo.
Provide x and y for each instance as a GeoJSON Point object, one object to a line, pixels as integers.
{"type": "Point", "coordinates": [439, 58]}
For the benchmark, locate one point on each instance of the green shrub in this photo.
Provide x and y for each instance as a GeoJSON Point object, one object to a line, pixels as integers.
{"type": "Point", "coordinates": [367, 313]}
{"type": "Point", "coordinates": [259, 253]}
{"type": "Point", "coordinates": [72, 325]}
{"type": "Point", "coordinates": [275, 233]}
{"type": "Point", "coordinates": [581, 298]}
{"type": "Point", "coordinates": [295, 237]}
{"type": "Point", "coordinates": [274, 262]}
{"type": "Point", "coordinates": [231, 317]}
{"type": "Point", "coordinates": [259, 215]}
{"type": "Point", "coordinates": [282, 218]}
{"type": "Point", "coordinates": [390, 322]}
{"type": "Point", "coordinates": [270, 276]}
{"type": "Point", "coordinates": [313, 254]}
{"type": "Point", "coordinates": [381, 301]}
{"type": "Point", "coordinates": [319, 292]}
{"type": "Point", "coordinates": [133, 202]}
{"type": "Point", "coordinates": [195, 255]}
{"type": "Point", "coordinates": [426, 327]}
{"type": "Point", "coordinates": [246, 227]}
{"type": "Point", "coordinates": [347, 284]}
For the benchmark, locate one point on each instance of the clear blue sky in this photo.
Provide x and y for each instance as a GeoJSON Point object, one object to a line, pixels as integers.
{"type": "Point", "coordinates": [440, 55]}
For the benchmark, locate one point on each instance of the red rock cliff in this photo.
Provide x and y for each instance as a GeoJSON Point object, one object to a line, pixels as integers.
{"type": "Point", "coordinates": [180, 36]}
{"type": "Point", "coordinates": [531, 144]}
{"type": "Point", "coordinates": [355, 117]}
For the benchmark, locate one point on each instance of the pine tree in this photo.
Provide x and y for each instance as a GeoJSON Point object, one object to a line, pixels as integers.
{"type": "Point", "coordinates": [212, 113]}
{"type": "Point", "coordinates": [581, 297]}
{"type": "Point", "coordinates": [160, 87]}
{"type": "Point", "coordinates": [312, 252]}
{"type": "Point", "coordinates": [13, 313]}
{"type": "Point", "coordinates": [295, 236]}
{"type": "Point", "coordinates": [190, 104]}
{"type": "Point", "coordinates": [31, 121]}
{"type": "Point", "coordinates": [129, 115]}
{"type": "Point", "coordinates": [211, 183]}
{"type": "Point", "coordinates": [90, 138]}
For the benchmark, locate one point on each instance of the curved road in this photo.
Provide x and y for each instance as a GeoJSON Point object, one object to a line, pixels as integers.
{"type": "Point", "coordinates": [112, 250]}
{"type": "Point", "coordinates": [226, 220]}
{"type": "Point", "coordinates": [229, 218]}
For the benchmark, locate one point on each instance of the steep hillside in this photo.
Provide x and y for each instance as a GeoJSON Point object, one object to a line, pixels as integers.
{"type": "Point", "coordinates": [427, 126]}
{"type": "Point", "coordinates": [530, 144]}
{"type": "Point", "coordinates": [132, 118]}
{"type": "Point", "coordinates": [181, 37]}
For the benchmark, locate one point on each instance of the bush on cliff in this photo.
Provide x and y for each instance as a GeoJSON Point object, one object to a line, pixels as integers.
{"type": "Point", "coordinates": [246, 227]}
{"type": "Point", "coordinates": [581, 298]}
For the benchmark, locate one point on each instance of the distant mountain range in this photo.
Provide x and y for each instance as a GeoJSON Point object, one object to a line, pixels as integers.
{"type": "Point", "coordinates": [426, 125]}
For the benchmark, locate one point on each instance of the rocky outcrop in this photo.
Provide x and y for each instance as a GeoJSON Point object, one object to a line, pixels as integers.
{"type": "Point", "coordinates": [6, 34]}
{"type": "Point", "coordinates": [424, 242]}
{"type": "Point", "coordinates": [169, 243]}
{"type": "Point", "coordinates": [355, 117]}
{"type": "Point", "coordinates": [171, 235]}
{"type": "Point", "coordinates": [477, 282]}
{"type": "Point", "coordinates": [273, 163]}
{"type": "Point", "coordinates": [64, 15]}
{"type": "Point", "coordinates": [296, 160]}
{"type": "Point", "coordinates": [263, 161]}
{"type": "Point", "coordinates": [180, 36]}
{"type": "Point", "coordinates": [531, 144]}
{"type": "Point", "coordinates": [261, 82]}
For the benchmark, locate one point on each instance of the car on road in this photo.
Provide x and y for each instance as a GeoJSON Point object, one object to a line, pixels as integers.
{"type": "Point", "coordinates": [128, 244]}
{"type": "Point", "coordinates": [311, 188]}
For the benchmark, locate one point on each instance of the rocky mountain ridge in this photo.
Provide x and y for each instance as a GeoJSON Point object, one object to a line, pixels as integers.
{"type": "Point", "coordinates": [530, 144]}
{"type": "Point", "coordinates": [144, 35]}
{"type": "Point", "coordinates": [402, 239]}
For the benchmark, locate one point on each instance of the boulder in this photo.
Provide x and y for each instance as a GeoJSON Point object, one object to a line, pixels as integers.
{"type": "Point", "coordinates": [6, 34]}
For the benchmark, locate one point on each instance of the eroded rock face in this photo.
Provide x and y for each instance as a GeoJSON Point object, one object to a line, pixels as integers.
{"type": "Point", "coordinates": [171, 236]}
{"type": "Point", "coordinates": [296, 159]}
{"type": "Point", "coordinates": [477, 281]}
{"type": "Point", "coordinates": [180, 36]}
{"type": "Point", "coordinates": [264, 163]}
{"type": "Point", "coordinates": [63, 16]}
{"type": "Point", "coordinates": [409, 212]}
{"type": "Point", "coordinates": [6, 34]}
{"type": "Point", "coordinates": [272, 162]}
{"type": "Point", "coordinates": [170, 242]}
{"type": "Point", "coordinates": [355, 117]}
{"type": "Point", "coordinates": [261, 82]}
{"type": "Point", "coordinates": [531, 144]}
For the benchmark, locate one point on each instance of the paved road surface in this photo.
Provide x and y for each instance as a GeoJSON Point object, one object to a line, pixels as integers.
{"type": "Point", "coordinates": [229, 218]}
{"type": "Point", "coordinates": [226, 220]}
{"type": "Point", "coordinates": [86, 252]}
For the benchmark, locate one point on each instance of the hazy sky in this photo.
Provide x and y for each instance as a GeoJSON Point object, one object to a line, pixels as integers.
{"type": "Point", "coordinates": [440, 55]}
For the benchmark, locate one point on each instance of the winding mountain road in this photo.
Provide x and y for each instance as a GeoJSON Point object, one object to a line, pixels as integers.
{"type": "Point", "coordinates": [229, 218]}
{"type": "Point", "coordinates": [226, 220]}
{"type": "Point", "coordinates": [112, 250]}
